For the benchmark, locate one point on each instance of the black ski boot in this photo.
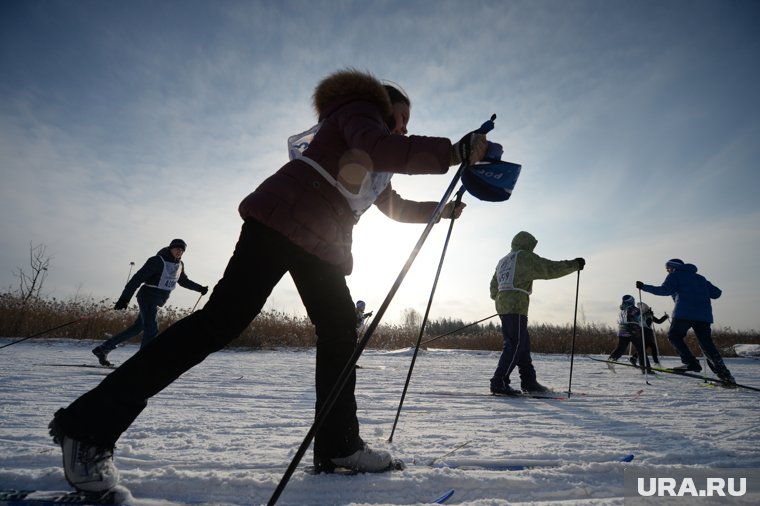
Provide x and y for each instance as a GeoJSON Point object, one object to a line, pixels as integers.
{"type": "Point", "coordinates": [506, 390]}
{"type": "Point", "coordinates": [690, 367]}
{"type": "Point", "coordinates": [534, 387]}
{"type": "Point", "coordinates": [102, 357]}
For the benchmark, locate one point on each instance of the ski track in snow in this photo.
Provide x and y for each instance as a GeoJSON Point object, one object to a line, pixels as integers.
{"type": "Point", "coordinates": [226, 431]}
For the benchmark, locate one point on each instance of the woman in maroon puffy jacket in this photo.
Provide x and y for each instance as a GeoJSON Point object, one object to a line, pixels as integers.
{"type": "Point", "coordinates": [300, 221]}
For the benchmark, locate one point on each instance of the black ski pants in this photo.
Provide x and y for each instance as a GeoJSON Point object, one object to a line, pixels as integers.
{"type": "Point", "coordinates": [703, 330]}
{"type": "Point", "coordinates": [635, 340]}
{"type": "Point", "coordinates": [650, 344]}
{"type": "Point", "coordinates": [515, 352]}
{"type": "Point", "coordinates": [262, 256]}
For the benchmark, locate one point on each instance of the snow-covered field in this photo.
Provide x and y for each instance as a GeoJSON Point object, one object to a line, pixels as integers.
{"type": "Point", "coordinates": [226, 431]}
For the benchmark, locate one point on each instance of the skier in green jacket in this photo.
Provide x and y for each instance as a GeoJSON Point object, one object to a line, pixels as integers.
{"type": "Point", "coordinates": [511, 286]}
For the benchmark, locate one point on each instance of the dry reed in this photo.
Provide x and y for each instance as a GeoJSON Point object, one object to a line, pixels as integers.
{"type": "Point", "coordinates": [95, 319]}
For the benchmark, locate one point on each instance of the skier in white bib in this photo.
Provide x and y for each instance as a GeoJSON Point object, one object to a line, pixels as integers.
{"type": "Point", "coordinates": [158, 277]}
{"type": "Point", "coordinates": [511, 286]}
{"type": "Point", "coordinates": [299, 221]}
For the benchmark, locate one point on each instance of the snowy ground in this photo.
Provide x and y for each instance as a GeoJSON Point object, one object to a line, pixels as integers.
{"type": "Point", "coordinates": [226, 431]}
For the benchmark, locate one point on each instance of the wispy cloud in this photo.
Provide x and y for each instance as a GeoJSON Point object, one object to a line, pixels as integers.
{"type": "Point", "coordinates": [125, 125]}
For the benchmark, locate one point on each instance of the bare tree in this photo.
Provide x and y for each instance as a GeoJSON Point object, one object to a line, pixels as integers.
{"type": "Point", "coordinates": [31, 283]}
{"type": "Point", "coordinates": [412, 319]}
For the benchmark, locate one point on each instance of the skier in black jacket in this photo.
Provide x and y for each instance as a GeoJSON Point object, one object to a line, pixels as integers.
{"type": "Point", "coordinates": [158, 277]}
{"type": "Point", "coordinates": [629, 332]}
{"type": "Point", "coordinates": [647, 318]}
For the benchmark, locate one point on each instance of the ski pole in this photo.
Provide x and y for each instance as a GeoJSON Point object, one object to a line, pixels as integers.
{"type": "Point", "coordinates": [457, 330]}
{"type": "Point", "coordinates": [196, 303]}
{"type": "Point", "coordinates": [44, 332]}
{"type": "Point", "coordinates": [131, 264]}
{"type": "Point", "coordinates": [654, 338]}
{"type": "Point", "coordinates": [360, 332]}
{"type": "Point", "coordinates": [427, 312]}
{"type": "Point", "coordinates": [575, 327]}
{"type": "Point", "coordinates": [350, 366]}
{"type": "Point", "coordinates": [654, 334]}
{"type": "Point", "coordinates": [72, 322]}
{"type": "Point", "coordinates": [643, 359]}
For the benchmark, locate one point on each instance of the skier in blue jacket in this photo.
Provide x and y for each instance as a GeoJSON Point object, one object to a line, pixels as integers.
{"type": "Point", "coordinates": [693, 310]}
{"type": "Point", "coordinates": [158, 277]}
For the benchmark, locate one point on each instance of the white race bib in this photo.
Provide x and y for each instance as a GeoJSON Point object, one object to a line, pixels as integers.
{"type": "Point", "coordinates": [169, 277]}
{"type": "Point", "coordinates": [505, 273]}
{"type": "Point", "coordinates": [373, 184]}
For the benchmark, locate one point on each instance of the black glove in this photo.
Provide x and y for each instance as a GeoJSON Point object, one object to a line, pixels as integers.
{"type": "Point", "coordinates": [639, 285]}
{"type": "Point", "coordinates": [452, 210]}
{"type": "Point", "coordinates": [367, 315]}
{"type": "Point", "coordinates": [204, 290]}
{"type": "Point", "coordinates": [471, 149]}
{"type": "Point", "coordinates": [581, 263]}
{"type": "Point", "coordinates": [121, 304]}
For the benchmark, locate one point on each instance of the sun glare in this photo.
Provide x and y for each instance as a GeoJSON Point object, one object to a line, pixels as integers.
{"type": "Point", "coordinates": [381, 248]}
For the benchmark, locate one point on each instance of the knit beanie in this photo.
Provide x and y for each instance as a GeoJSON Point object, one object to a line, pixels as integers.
{"type": "Point", "coordinates": [673, 263]}
{"type": "Point", "coordinates": [628, 300]}
{"type": "Point", "coordinates": [178, 243]}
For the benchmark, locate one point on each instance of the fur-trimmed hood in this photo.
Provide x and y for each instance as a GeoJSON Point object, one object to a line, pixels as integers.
{"type": "Point", "coordinates": [304, 206]}
{"type": "Point", "coordinates": [347, 85]}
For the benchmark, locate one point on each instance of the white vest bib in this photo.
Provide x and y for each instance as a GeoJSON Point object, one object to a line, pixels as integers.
{"type": "Point", "coordinates": [372, 184]}
{"type": "Point", "coordinates": [169, 276]}
{"type": "Point", "coordinates": [505, 273]}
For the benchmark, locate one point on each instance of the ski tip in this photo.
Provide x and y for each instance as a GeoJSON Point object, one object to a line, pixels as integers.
{"type": "Point", "coordinates": [627, 458]}
{"type": "Point", "coordinates": [445, 497]}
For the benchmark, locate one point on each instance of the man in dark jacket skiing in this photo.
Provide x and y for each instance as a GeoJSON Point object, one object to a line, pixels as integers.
{"type": "Point", "coordinates": [158, 277]}
{"type": "Point", "coordinates": [298, 221]}
{"type": "Point", "coordinates": [693, 310]}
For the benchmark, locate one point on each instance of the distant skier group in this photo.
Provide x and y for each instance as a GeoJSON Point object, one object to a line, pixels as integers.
{"type": "Point", "coordinates": [511, 287]}
{"type": "Point", "coordinates": [692, 294]}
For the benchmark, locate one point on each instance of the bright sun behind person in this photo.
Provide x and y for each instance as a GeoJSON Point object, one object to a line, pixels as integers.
{"type": "Point", "coordinates": [381, 248]}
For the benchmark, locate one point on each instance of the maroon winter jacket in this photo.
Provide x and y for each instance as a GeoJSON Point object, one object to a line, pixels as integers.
{"type": "Point", "coordinates": [302, 205]}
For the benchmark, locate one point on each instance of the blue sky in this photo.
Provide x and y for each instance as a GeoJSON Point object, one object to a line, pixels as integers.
{"type": "Point", "coordinates": [126, 124]}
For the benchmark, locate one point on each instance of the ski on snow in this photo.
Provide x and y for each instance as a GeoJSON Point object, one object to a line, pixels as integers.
{"type": "Point", "coordinates": [395, 465]}
{"type": "Point", "coordinates": [716, 381]}
{"type": "Point", "coordinates": [114, 496]}
{"type": "Point", "coordinates": [445, 497]}
{"type": "Point", "coordinates": [91, 366]}
{"type": "Point", "coordinates": [472, 464]}
{"type": "Point", "coordinates": [514, 465]}
{"type": "Point", "coordinates": [556, 396]}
